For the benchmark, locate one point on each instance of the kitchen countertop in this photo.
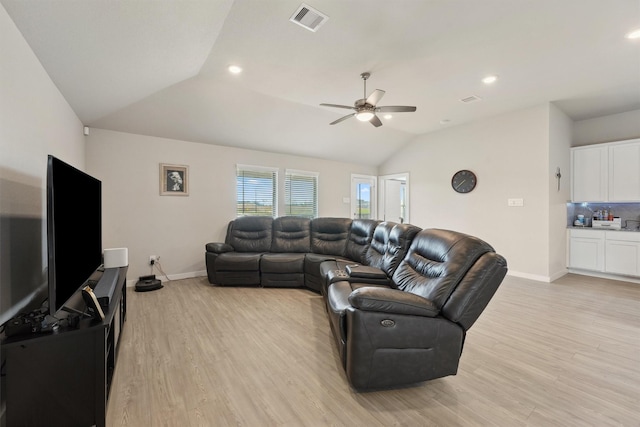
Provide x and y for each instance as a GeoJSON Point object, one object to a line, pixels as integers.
{"type": "Point", "coordinates": [575, 227]}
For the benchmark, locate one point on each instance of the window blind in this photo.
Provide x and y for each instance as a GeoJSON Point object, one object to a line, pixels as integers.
{"type": "Point", "coordinates": [256, 189]}
{"type": "Point", "coordinates": [301, 193]}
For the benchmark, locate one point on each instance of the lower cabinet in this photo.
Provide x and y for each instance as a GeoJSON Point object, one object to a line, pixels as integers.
{"type": "Point", "coordinates": [587, 249]}
{"type": "Point", "coordinates": [616, 252]}
{"type": "Point", "coordinates": [622, 253]}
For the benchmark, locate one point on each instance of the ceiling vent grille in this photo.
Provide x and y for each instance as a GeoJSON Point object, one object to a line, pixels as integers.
{"type": "Point", "coordinates": [471, 98]}
{"type": "Point", "coordinates": [308, 17]}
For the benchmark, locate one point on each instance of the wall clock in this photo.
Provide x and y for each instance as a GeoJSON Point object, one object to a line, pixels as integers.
{"type": "Point", "coordinates": [464, 181]}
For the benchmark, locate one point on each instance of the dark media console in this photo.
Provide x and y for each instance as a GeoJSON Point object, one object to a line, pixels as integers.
{"type": "Point", "coordinates": [62, 377]}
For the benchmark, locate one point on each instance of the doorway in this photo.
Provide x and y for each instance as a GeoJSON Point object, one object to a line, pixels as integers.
{"type": "Point", "coordinates": [394, 197]}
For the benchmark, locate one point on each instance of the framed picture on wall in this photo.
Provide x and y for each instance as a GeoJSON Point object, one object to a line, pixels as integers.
{"type": "Point", "coordinates": [174, 180]}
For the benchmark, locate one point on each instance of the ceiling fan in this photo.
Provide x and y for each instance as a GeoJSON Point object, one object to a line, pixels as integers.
{"type": "Point", "coordinates": [366, 108]}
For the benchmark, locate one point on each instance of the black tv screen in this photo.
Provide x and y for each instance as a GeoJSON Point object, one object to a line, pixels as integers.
{"type": "Point", "coordinates": [74, 230]}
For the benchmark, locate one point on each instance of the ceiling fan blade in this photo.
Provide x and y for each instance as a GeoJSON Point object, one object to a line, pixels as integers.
{"type": "Point", "coordinates": [338, 106]}
{"type": "Point", "coordinates": [342, 119]}
{"type": "Point", "coordinates": [396, 109]}
{"type": "Point", "coordinates": [375, 121]}
{"type": "Point", "coordinates": [375, 97]}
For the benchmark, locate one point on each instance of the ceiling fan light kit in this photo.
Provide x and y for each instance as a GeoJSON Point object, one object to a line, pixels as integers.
{"type": "Point", "coordinates": [366, 108]}
{"type": "Point", "coordinates": [364, 116]}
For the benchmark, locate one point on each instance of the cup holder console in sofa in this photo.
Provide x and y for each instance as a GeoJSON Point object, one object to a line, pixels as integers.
{"type": "Point", "coordinates": [399, 299]}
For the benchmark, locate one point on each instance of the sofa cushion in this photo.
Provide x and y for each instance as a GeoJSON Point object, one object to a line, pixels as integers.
{"type": "Point", "coordinates": [250, 234]}
{"type": "Point", "coordinates": [436, 262]}
{"type": "Point", "coordinates": [282, 263]}
{"type": "Point", "coordinates": [238, 261]}
{"type": "Point", "coordinates": [329, 235]}
{"type": "Point", "coordinates": [391, 301]}
{"type": "Point", "coordinates": [360, 235]}
{"type": "Point", "coordinates": [291, 234]}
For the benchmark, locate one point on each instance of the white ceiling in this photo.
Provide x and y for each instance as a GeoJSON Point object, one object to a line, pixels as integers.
{"type": "Point", "coordinates": [158, 67]}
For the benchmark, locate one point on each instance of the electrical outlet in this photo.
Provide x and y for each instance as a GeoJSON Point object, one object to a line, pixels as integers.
{"type": "Point", "coordinates": [153, 259]}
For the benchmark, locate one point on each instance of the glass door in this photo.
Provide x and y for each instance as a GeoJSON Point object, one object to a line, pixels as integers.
{"type": "Point", "coordinates": [363, 196]}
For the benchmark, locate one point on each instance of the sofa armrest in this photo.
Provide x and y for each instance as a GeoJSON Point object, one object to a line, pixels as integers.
{"type": "Point", "coordinates": [219, 248]}
{"type": "Point", "coordinates": [364, 272]}
{"type": "Point", "coordinates": [392, 301]}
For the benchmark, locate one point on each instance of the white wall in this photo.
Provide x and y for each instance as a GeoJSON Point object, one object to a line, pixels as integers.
{"type": "Point", "coordinates": [35, 121]}
{"type": "Point", "coordinates": [510, 156]}
{"type": "Point", "coordinates": [176, 227]}
{"type": "Point", "coordinates": [560, 136]}
{"type": "Point", "coordinates": [616, 127]}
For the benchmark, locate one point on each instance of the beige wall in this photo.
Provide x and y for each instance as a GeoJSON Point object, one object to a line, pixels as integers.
{"type": "Point", "coordinates": [35, 120]}
{"type": "Point", "coordinates": [177, 228]}
{"type": "Point", "coordinates": [560, 134]}
{"type": "Point", "coordinates": [510, 156]}
{"type": "Point", "coordinates": [615, 127]}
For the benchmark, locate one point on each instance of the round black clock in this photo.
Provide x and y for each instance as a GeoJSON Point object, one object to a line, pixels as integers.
{"type": "Point", "coordinates": [464, 181]}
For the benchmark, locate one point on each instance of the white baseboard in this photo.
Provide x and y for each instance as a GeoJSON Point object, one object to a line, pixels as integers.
{"type": "Point", "coordinates": [605, 275]}
{"type": "Point", "coordinates": [132, 282]}
{"type": "Point", "coordinates": [536, 277]}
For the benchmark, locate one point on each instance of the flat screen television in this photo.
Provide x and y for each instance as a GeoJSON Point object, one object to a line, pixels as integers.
{"type": "Point", "coordinates": [74, 230]}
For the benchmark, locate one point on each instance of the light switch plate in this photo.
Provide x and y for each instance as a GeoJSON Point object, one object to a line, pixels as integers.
{"type": "Point", "coordinates": [515, 203]}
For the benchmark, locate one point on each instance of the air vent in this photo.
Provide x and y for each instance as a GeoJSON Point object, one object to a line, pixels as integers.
{"type": "Point", "coordinates": [308, 17]}
{"type": "Point", "coordinates": [471, 98]}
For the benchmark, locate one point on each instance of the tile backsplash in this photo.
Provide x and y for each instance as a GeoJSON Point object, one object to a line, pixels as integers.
{"type": "Point", "coordinates": [628, 212]}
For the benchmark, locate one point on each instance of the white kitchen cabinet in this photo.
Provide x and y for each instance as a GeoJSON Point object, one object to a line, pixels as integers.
{"type": "Point", "coordinates": [624, 171]}
{"type": "Point", "coordinates": [622, 253]}
{"type": "Point", "coordinates": [589, 173]}
{"type": "Point", "coordinates": [587, 249]}
{"type": "Point", "coordinates": [606, 172]}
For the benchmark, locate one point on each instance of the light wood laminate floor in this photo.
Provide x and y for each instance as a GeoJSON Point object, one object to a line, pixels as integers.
{"type": "Point", "coordinates": [559, 354]}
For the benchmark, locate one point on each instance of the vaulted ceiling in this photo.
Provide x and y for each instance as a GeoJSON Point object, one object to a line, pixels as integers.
{"type": "Point", "coordinates": [160, 67]}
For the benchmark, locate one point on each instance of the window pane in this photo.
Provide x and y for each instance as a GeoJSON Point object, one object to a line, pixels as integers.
{"type": "Point", "coordinates": [256, 191]}
{"type": "Point", "coordinates": [363, 201]}
{"type": "Point", "coordinates": [301, 194]}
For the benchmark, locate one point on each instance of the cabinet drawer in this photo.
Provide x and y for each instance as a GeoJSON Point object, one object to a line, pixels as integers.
{"type": "Point", "coordinates": [623, 236]}
{"type": "Point", "coordinates": [587, 233]}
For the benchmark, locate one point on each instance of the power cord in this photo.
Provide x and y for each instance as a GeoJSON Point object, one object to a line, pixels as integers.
{"type": "Point", "coordinates": [156, 263]}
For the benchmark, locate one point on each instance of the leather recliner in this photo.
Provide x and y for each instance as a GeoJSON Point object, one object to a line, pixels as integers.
{"type": "Point", "coordinates": [413, 330]}
{"type": "Point", "coordinates": [284, 265]}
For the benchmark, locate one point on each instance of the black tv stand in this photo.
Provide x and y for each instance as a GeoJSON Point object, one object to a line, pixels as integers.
{"type": "Point", "coordinates": [73, 310]}
{"type": "Point", "coordinates": [63, 377]}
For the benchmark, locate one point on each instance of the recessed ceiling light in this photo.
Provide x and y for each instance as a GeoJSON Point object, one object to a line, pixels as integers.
{"type": "Point", "coordinates": [234, 69]}
{"type": "Point", "coordinates": [489, 79]}
{"type": "Point", "coordinates": [635, 34]}
{"type": "Point", "coordinates": [445, 121]}
{"type": "Point", "coordinates": [388, 116]}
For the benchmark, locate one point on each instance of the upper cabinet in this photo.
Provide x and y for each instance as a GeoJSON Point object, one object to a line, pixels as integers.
{"type": "Point", "coordinates": [624, 172]}
{"type": "Point", "coordinates": [589, 167]}
{"type": "Point", "coordinates": [606, 172]}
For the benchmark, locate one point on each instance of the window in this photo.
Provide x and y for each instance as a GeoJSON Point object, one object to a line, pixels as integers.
{"type": "Point", "coordinates": [301, 193]}
{"type": "Point", "coordinates": [256, 189]}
